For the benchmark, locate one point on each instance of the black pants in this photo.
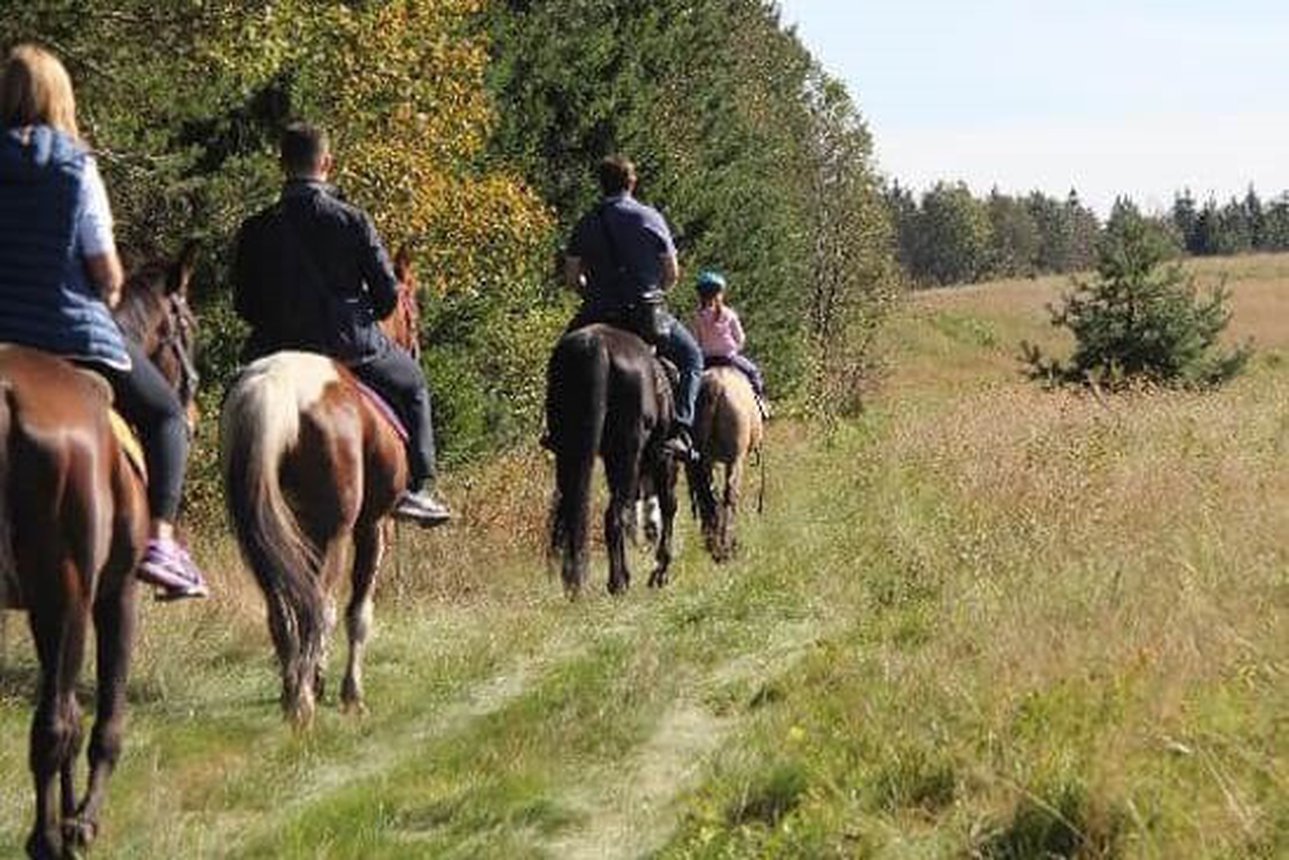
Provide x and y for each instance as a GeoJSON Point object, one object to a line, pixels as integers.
{"type": "Point", "coordinates": [396, 376]}
{"type": "Point", "coordinates": [145, 399]}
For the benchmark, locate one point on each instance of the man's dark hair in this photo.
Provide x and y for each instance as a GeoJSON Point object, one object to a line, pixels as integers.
{"type": "Point", "coordinates": [616, 174]}
{"type": "Point", "coordinates": [303, 146]}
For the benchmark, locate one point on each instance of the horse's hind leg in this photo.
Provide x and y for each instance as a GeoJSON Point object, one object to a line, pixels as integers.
{"type": "Point", "coordinates": [369, 546]}
{"type": "Point", "coordinates": [621, 471]}
{"type": "Point", "coordinates": [58, 625]}
{"type": "Point", "coordinates": [729, 505]}
{"type": "Point", "coordinates": [329, 577]}
{"type": "Point", "coordinates": [114, 623]}
{"type": "Point", "coordinates": [665, 485]}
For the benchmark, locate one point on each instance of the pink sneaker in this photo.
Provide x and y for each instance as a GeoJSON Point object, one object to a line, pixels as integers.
{"type": "Point", "coordinates": [168, 566]}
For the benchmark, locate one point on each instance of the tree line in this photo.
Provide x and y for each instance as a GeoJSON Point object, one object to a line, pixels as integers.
{"type": "Point", "coordinates": [469, 129]}
{"type": "Point", "coordinates": [948, 235]}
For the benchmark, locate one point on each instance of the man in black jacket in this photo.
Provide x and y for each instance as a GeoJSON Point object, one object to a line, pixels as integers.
{"type": "Point", "coordinates": [311, 274]}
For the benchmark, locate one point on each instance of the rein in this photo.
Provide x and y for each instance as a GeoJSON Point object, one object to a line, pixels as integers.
{"type": "Point", "coordinates": [179, 340]}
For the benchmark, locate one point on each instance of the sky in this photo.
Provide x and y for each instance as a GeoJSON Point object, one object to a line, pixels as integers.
{"type": "Point", "coordinates": [1136, 97]}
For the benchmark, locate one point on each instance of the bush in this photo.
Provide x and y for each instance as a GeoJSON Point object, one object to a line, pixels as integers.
{"type": "Point", "coordinates": [1141, 319]}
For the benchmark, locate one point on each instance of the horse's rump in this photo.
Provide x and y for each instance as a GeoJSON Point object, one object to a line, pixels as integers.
{"type": "Point", "coordinates": [727, 421]}
{"type": "Point", "coordinates": [56, 437]}
{"type": "Point", "coordinates": [601, 357]}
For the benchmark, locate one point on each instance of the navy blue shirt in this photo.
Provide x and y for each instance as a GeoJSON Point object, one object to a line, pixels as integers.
{"type": "Point", "coordinates": [622, 244]}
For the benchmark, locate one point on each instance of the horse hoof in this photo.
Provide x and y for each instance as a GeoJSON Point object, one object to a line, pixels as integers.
{"type": "Point", "coordinates": [78, 835]}
{"type": "Point", "coordinates": [41, 847]}
{"type": "Point", "coordinates": [351, 703]}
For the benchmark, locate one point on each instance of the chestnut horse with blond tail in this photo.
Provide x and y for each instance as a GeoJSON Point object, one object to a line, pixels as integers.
{"type": "Point", "coordinates": [727, 429]}
{"type": "Point", "coordinates": [311, 464]}
{"type": "Point", "coordinates": [73, 525]}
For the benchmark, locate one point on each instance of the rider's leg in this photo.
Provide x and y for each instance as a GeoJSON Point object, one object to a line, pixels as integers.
{"type": "Point", "coordinates": [146, 400]}
{"type": "Point", "coordinates": [398, 378]}
{"type": "Point", "coordinates": [751, 371]}
{"type": "Point", "coordinates": [757, 380]}
{"type": "Point", "coordinates": [680, 347]}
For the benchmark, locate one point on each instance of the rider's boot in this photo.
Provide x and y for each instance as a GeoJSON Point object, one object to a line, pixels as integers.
{"type": "Point", "coordinates": [168, 566]}
{"type": "Point", "coordinates": [423, 507]}
{"type": "Point", "coordinates": [680, 444]}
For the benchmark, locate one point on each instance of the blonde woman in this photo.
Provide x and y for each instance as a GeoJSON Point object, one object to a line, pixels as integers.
{"type": "Point", "coordinates": [59, 276]}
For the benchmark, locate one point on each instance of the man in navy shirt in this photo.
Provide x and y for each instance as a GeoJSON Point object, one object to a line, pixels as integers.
{"type": "Point", "coordinates": [621, 257]}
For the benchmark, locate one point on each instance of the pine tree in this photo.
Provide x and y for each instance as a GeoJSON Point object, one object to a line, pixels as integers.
{"type": "Point", "coordinates": [1141, 319]}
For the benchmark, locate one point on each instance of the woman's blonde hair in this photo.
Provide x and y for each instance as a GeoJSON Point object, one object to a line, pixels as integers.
{"type": "Point", "coordinates": [35, 89]}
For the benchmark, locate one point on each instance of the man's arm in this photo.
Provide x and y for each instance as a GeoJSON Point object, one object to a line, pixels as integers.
{"type": "Point", "coordinates": [670, 271]}
{"type": "Point", "coordinates": [574, 274]}
{"type": "Point", "coordinates": [377, 272]}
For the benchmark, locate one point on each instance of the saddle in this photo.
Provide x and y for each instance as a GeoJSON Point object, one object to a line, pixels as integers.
{"type": "Point", "coordinates": [383, 409]}
{"type": "Point", "coordinates": [121, 429]}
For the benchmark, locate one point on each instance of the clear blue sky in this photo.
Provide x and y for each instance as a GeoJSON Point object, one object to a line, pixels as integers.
{"type": "Point", "coordinates": [1141, 97]}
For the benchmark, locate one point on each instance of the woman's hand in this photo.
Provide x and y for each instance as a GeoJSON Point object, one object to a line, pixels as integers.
{"type": "Point", "coordinates": [105, 273]}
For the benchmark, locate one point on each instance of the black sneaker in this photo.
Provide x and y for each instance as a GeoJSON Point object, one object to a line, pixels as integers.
{"type": "Point", "coordinates": [422, 508]}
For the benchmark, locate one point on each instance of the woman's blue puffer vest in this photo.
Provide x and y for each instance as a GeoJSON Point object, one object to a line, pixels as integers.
{"type": "Point", "coordinates": [41, 305]}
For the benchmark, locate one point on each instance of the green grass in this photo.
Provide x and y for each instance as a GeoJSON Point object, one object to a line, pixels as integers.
{"type": "Point", "coordinates": [982, 621]}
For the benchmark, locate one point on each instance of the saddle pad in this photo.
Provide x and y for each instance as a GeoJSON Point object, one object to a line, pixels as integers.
{"type": "Point", "coordinates": [384, 409]}
{"type": "Point", "coordinates": [129, 444]}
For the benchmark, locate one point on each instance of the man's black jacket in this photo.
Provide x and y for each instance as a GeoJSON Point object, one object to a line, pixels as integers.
{"type": "Point", "coordinates": [310, 273]}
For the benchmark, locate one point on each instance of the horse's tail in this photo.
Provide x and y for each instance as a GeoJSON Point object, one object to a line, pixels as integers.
{"type": "Point", "coordinates": [260, 424]}
{"type": "Point", "coordinates": [577, 387]}
{"type": "Point", "coordinates": [698, 476]}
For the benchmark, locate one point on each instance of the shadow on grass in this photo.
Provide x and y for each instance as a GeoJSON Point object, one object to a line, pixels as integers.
{"type": "Point", "coordinates": [1065, 823]}
{"type": "Point", "coordinates": [772, 799]}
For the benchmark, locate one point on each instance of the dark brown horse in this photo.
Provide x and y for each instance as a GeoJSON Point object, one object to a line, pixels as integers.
{"type": "Point", "coordinates": [607, 395]}
{"type": "Point", "coordinates": [73, 523]}
{"type": "Point", "coordinates": [727, 430]}
{"type": "Point", "coordinates": [310, 465]}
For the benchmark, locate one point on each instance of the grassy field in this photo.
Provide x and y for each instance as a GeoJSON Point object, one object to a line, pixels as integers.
{"type": "Point", "coordinates": [984, 620]}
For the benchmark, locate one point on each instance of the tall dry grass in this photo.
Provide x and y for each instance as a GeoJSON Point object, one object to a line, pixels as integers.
{"type": "Point", "coordinates": [1070, 614]}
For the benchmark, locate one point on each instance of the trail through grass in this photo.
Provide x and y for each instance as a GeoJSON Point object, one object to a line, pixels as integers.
{"type": "Point", "coordinates": [984, 620]}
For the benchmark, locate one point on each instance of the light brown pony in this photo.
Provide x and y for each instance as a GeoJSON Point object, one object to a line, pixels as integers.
{"type": "Point", "coordinates": [310, 465]}
{"type": "Point", "coordinates": [73, 524]}
{"type": "Point", "coordinates": [727, 430]}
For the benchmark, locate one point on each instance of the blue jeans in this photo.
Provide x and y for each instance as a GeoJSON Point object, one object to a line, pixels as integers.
{"type": "Point", "coordinates": [397, 377]}
{"type": "Point", "coordinates": [680, 348]}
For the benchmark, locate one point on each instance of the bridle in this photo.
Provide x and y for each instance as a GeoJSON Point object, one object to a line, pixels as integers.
{"type": "Point", "coordinates": [179, 339]}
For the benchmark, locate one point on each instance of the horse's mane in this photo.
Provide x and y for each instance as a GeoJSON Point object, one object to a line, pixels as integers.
{"type": "Point", "coordinates": [143, 296]}
{"type": "Point", "coordinates": [142, 300]}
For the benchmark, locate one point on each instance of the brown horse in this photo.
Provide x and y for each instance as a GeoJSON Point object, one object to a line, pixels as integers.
{"type": "Point", "coordinates": [310, 464]}
{"type": "Point", "coordinates": [727, 429]}
{"type": "Point", "coordinates": [73, 524]}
